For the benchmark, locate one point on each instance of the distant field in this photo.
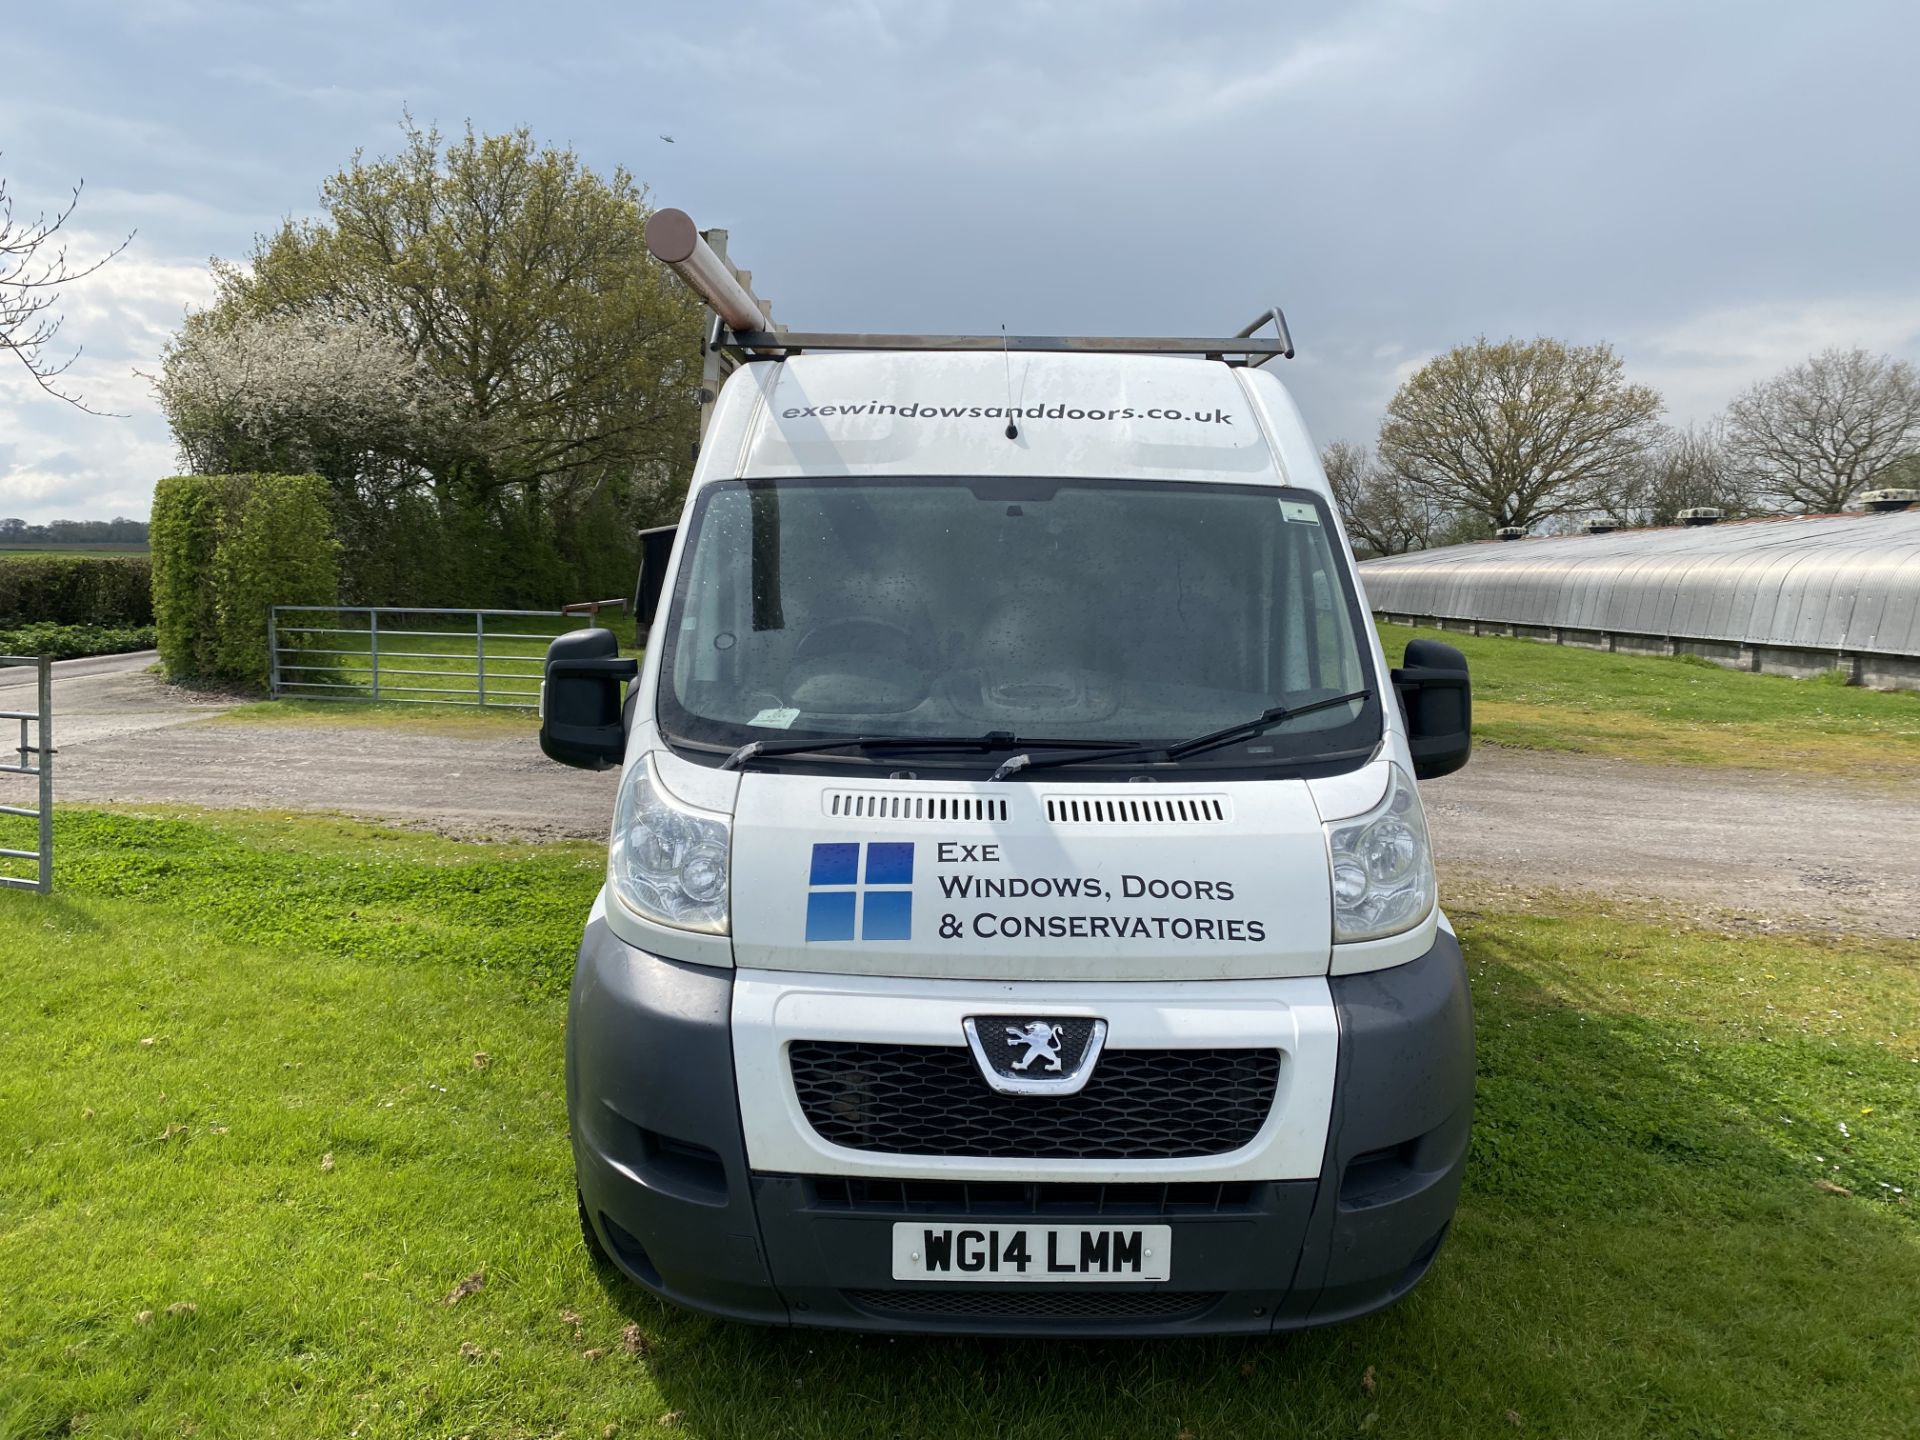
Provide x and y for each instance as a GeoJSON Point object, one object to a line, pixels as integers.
{"type": "Point", "coordinates": [1550, 697]}
{"type": "Point", "coordinates": [22, 552]}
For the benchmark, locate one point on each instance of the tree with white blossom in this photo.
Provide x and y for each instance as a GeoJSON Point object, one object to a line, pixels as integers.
{"type": "Point", "coordinates": [305, 394]}
{"type": "Point", "coordinates": [473, 344]}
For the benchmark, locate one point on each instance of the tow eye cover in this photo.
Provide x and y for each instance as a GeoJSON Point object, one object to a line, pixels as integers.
{"type": "Point", "coordinates": [1035, 1055]}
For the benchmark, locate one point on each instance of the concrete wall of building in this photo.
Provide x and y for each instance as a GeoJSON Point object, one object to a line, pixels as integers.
{"type": "Point", "coordinates": [1874, 670]}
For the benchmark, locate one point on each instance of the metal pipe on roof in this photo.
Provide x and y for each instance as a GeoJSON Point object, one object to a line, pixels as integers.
{"type": "Point", "coordinates": [675, 241]}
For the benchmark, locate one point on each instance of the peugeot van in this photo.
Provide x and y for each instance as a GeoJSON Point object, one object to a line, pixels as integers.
{"type": "Point", "coordinates": [1020, 913]}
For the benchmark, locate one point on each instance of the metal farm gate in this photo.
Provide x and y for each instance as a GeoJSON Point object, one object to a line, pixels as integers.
{"type": "Point", "coordinates": [35, 760]}
{"type": "Point", "coordinates": [414, 657]}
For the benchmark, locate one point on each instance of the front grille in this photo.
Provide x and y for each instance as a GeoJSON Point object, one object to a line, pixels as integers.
{"type": "Point", "coordinates": [968, 1302]}
{"type": "Point", "coordinates": [930, 1100]}
{"type": "Point", "coordinates": [1023, 1197]}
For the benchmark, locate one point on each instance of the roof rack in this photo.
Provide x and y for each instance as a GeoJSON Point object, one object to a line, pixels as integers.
{"type": "Point", "coordinates": [1251, 350]}
{"type": "Point", "coordinates": [743, 324]}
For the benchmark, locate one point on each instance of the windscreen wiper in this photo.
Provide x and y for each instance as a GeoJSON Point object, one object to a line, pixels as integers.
{"type": "Point", "coordinates": [992, 740]}
{"type": "Point", "coordinates": [1245, 730]}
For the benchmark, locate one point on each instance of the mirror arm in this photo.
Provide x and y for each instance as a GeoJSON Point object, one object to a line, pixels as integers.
{"type": "Point", "coordinates": [1410, 678]}
{"type": "Point", "coordinates": [621, 668]}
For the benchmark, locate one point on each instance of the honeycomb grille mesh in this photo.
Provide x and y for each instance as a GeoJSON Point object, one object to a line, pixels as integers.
{"type": "Point", "coordinates": [979, 1303]}
{"type": "Point", "coordinates": [930, 1100]}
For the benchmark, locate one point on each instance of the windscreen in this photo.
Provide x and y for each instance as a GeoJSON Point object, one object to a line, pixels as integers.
{"type": "Point", "coordinates": [1085, 609]}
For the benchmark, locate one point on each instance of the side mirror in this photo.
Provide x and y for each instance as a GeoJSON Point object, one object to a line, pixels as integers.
{"type": "Point", "coordinates": [656, 548]}
{"type": "Point", "coordinates": [1437, 699]}
{"type": "Point", "coordinates": [581, 720]}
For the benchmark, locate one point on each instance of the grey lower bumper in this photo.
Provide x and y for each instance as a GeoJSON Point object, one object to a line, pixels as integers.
{"type": "Point", "coordinates": [663, 1173]}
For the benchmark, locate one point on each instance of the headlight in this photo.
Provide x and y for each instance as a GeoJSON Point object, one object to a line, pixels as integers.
{"type": "Point", "coordinates": [1382, 866]}
{"type": "Point", "coordinates": [668, 862]}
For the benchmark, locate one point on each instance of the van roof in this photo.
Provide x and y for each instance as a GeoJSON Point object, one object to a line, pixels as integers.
{"type": "Point", "coordinates": [946, 413]}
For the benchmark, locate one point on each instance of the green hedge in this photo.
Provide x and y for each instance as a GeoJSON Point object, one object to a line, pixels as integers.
{"type": "Point", "coordinates": [75, 590]}
{"type": "Point", "coordinates": [225, 548]}
{"type": "Point", "coordinates": [74, 642]}
{"type": "Point", "coordinates": [446, 548]}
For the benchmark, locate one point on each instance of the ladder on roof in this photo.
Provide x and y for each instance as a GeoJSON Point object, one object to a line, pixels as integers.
{"type": "Point", "coordinates": [742, 326]}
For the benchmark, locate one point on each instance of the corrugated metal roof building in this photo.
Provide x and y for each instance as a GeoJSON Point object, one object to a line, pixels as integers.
{"type": "Point", "coordinates": [1790, 595]}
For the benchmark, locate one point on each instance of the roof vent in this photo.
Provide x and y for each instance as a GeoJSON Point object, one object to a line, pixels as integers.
{"type": "Point", "coordinates": [1601, 527]}
{"type": "Point", "coordinates": [1511, 532]}
{"type": "Point", "coordinates": [1885, 501]}
{"type": "Point", "coordinates": [1701, 515]}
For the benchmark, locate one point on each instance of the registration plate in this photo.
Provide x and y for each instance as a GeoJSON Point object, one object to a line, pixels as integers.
{"type": "Point", "coordinates": [1050, 1254]}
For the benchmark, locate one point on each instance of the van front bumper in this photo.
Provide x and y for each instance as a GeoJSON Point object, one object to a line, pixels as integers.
{"type": "Point", "coordinates": [666, 1185]}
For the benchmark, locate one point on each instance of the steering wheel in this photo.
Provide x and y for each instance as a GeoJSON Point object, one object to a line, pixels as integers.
{"type": "Point", "coordinates": [855, 634]}
{"type": "Point", "coordinates": [857, 666]}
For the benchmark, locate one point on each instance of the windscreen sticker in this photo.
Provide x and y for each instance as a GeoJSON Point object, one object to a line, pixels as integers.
{"type": "Point", "coordinates": [779, 719]}
{"type": "Point", "coordinates": [1299, 510]}
{"type": "Point", "coordinates": [860, 892]}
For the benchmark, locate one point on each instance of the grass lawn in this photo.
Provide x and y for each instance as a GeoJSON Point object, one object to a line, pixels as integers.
{"type": "Point", "coordinates": [462, 722]}
{"type": "Point", "coordinates": [1683, 711]}
{"type": "Point", "coordinates": [272, 1087]}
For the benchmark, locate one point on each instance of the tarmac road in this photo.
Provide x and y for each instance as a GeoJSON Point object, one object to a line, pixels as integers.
{"type": "Point", "coordinates": [107, 697]}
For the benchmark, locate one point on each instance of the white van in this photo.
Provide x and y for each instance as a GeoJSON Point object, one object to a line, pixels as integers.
{"type": "Point", "coordinates": [1020, 916]}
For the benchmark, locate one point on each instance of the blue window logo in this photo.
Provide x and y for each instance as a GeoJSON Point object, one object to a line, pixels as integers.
{"type": "Point", "coordinates": [880, 899]}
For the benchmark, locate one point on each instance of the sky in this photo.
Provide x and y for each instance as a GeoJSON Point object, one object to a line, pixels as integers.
{"type": "Point", "coordinates": [1717, 190]}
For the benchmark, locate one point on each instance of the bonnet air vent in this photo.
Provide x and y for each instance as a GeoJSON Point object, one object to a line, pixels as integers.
{"type": "Point", "coordinates": [898, 805]}
{"type": "Point", "coordinates": [1172, 810]}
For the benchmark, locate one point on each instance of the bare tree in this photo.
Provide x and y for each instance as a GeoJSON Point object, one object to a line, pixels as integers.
{"type": "Point", "coordinates": [33, 270]}
{"type": "Point", "coordinates": [1385, 514]}
{"type": "Point", "coordinates": [1902, 474]}
{"type": "Point", "coordinates": [1817, 434]}
{"type": "Point", "coordinates": [1345, 465]}
{"type": "Point", "coordinates": [1688, 468]}
{"type": "Point", "coordinates": [1519, 431]}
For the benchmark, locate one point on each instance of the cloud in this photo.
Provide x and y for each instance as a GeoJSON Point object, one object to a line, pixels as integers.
{"type": "Point", "coordinates": [1718, 190]}
{"type": "Point", "coordinates": [62, 463]}
{"type": "Point", "coordinates": [130, 138]}
{"type": "Point", "coordinates": [90, 481]}
{"type": "Point", "coordinates": [1704, 360]}
{"type": "Point", "coordinates": [278, 83]}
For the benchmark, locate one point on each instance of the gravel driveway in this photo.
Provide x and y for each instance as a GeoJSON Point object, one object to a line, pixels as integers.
{"type": "Point", "coordinates": [1776, 849]}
